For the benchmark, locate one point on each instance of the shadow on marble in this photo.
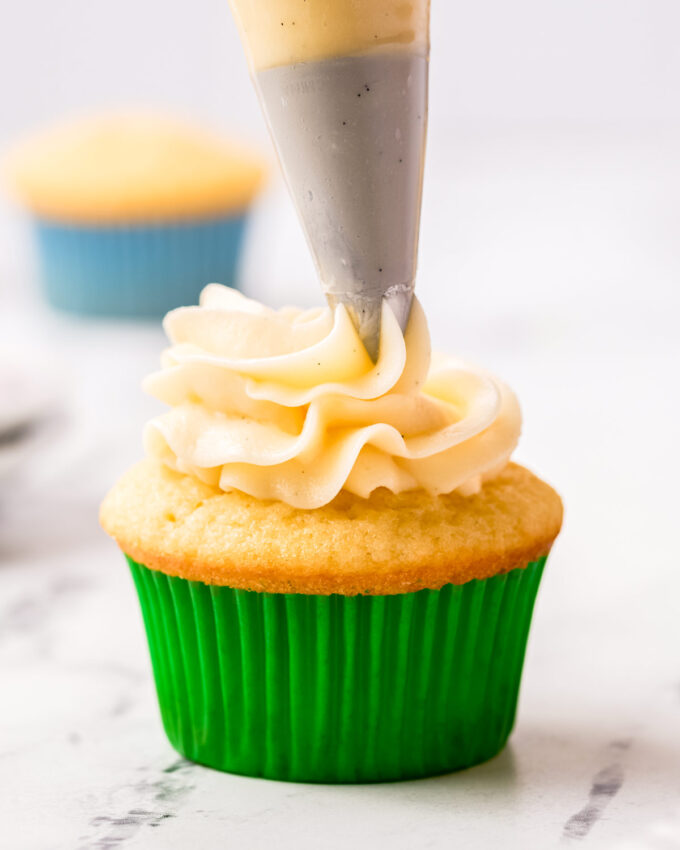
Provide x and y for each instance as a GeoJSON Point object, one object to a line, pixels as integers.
{"type": "Point", "coordinates": [596, 760]}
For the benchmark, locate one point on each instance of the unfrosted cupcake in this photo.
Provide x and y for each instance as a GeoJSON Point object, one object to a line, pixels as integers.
{"type": "Point", "coordinates": [336, 561]}
{"type": "Point", "coordinates": [133, 213]}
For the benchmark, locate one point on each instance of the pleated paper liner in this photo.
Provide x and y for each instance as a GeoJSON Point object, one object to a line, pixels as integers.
{"type": "Point", "coordinates": [136, 270]}
{"type": "Point", "coordinates": [338, 689]}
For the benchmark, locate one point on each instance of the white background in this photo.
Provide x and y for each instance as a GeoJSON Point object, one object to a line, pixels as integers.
{"type": "Point", "coordinates": [536, 62]}
{"type": "Point", "coordinates": [550, 253]}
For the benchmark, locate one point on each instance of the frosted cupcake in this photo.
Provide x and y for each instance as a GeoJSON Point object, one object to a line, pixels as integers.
{"type": "Point", "coordinates": [133, 213]}
{"type": "Point", "coordinates": [336, 560]}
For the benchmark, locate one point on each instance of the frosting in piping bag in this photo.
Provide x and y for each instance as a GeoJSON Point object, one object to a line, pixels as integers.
{"type": "Point", "coordinates": [280, 32]}
{"type": "Point", "coordinates": [288, 405]}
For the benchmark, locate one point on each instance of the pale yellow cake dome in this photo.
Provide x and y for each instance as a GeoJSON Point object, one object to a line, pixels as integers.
{"type": "Point", "coordinates": [133, 167]}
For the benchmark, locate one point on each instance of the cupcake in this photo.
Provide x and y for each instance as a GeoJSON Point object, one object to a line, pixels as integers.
{"type": "Point", "coordinates": [133, 213]}
{"type": "Point", "coordinates": [336, 559]}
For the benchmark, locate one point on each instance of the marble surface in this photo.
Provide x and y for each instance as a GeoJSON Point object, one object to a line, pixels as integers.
{"type": "Point", "coordinates": [555, 262]}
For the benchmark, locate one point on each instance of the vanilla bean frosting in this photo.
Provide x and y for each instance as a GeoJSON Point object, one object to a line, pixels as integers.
{"type": "Point", "coordinates": [288, 405]}
{"type": "Point", "coordinates": [281, 32]}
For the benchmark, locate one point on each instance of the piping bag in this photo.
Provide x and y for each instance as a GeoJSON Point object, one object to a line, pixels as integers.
{"type": "Point", "coordinates": [343, 86]}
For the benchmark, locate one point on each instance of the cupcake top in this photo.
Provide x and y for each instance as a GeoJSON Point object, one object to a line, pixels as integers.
{"type": "Point", "coordinates": [388, 543]}
{"type": "Point", "coordinates": [289, 462]}
{"type": "Point", "coordinates": [288, 405]}
{"type": "Point", "coordinates": [132, 167]}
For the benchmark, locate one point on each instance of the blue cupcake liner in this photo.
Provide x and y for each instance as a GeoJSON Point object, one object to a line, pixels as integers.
{"type": "Point", "coordinates": [135, 270]}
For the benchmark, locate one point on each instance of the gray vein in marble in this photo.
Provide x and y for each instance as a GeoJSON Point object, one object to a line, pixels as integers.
{"type": "Point", "coordinates": [180, 764]}
{"type": "Point", "coordinates": [605, 786]}
{"type": "Point", "coordinates": [158, 801]}
{"type": "Point", "coordinates": [121, 829]}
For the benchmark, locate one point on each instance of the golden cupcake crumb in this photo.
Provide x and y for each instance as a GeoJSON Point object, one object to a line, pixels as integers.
{"type": "Point", "coordinates": [386, 544]}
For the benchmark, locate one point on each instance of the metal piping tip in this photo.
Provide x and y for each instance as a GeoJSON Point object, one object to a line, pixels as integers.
{"type": "Point", "coordinates": [365, 310]}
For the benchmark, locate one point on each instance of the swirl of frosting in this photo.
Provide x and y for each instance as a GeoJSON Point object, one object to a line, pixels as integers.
{"type": "Point", "coordinates": [288, 405]}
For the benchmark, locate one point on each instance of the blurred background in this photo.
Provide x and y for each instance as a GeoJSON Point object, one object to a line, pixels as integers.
{"type": "Point", "coordinates": [549, 252]}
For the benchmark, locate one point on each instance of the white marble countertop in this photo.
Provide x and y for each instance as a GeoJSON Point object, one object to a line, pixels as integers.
{"type": "Point", "coordinates": [556, 263]}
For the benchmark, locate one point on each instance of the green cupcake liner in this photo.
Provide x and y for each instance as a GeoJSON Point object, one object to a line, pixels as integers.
{"type": "Point", "coordinates": [338, 688]}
